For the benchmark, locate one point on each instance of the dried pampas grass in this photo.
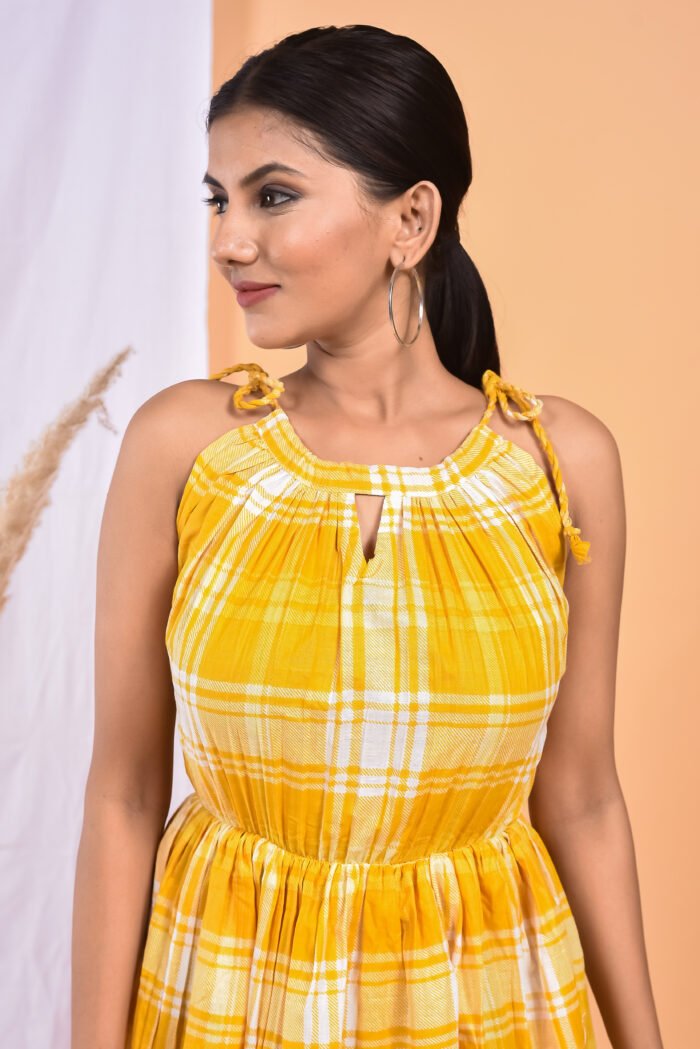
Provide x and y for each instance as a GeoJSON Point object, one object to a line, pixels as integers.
{"type": "Point", "coordinates": [25, 495]}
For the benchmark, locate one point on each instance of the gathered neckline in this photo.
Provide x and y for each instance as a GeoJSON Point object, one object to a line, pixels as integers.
{"type": "Point", "coordinates": [480, 445]}
{"type": "Point", "coordinates": [285, 444]}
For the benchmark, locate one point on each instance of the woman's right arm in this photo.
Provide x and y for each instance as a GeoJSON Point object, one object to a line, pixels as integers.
{"type": "Point", "coordinates": [128, 790]}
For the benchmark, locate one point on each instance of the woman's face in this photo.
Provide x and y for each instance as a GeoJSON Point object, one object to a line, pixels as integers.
{"type": "Point", "coordinates": [330, 251]}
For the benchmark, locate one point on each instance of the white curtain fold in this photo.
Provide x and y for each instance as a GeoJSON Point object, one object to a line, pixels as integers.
{"type": "Point", "coordinates": [104, 245]}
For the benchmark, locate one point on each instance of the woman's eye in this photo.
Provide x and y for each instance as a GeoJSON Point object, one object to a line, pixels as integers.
{"type": "Point", "coordinates": [214, 202]}
{"type": "Point", "coordinates": [272, 193]}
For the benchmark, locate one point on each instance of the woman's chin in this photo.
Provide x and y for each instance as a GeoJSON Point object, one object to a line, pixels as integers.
{"type": "Point", "coordinates": [267, 337]}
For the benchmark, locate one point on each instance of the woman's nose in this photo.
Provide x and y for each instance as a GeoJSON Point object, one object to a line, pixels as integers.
{"type": "Point", "coordinates": [231, 243]}
{"type": "Point", "coordinates": [227, 249]}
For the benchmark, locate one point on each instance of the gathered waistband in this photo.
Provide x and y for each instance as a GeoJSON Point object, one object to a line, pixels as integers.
{"type": "Point", "coordinates": [494, 842]}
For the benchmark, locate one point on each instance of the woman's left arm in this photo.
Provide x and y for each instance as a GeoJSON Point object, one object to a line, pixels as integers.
{"type": "Point", "coordinates": [576, 804]}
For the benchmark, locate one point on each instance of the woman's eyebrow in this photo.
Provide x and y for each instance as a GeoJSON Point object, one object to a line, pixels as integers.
{"type": "Point", "coordinates": [253, 176]}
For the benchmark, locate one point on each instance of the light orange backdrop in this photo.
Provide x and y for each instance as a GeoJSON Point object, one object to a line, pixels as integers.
{"type": "Point", "coordinates": [582, 219]}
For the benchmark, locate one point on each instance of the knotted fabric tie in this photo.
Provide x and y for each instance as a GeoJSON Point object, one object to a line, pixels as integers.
{"type": "Point", "coordinates": [497, 389]}
{"type": "Point", "coordinates": [258, 379]}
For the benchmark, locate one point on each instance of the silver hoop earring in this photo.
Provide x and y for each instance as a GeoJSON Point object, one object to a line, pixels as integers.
{"type": "Point", "coordinates": [421, 306]}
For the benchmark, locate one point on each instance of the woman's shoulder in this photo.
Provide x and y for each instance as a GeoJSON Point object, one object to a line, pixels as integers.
{"type": "Point", "coordinates": [174, 424]}
{"type": "Point", "coordinates": [574, 424]}
{"type": "Point", "coordinates": [196, 401]}
{"type": "Point", "coordinates": [585, 446]}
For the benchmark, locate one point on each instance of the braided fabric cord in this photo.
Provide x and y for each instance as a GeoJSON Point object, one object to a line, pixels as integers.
{"type": "Point", "coordinates": [258, 379]}
{"type": "Point", "coordinates": [499, 390]}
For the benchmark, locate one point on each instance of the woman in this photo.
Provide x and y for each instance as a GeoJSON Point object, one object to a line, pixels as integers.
{"type": "Point", "coordinates": [365, 657]}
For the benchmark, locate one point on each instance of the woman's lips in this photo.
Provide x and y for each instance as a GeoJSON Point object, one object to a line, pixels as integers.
{"type": "Point", "coordinates": [248, 298]}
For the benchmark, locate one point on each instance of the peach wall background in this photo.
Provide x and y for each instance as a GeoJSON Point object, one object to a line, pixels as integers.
{"type": "Point", "coordinates": [583, 221]}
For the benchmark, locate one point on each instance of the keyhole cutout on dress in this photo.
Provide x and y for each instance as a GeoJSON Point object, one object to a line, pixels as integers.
{"type": "Point", "coordinates": [369, 510]}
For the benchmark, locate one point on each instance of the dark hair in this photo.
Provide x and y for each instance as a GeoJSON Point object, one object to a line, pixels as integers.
{"type": "Point", "coordinates": [383, 105]}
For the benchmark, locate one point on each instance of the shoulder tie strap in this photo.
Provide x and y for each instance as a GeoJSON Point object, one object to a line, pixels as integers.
{"type": "Point", "coordinates": [258, 379]}
{"type": "Point", "coordinates": [497, 389]}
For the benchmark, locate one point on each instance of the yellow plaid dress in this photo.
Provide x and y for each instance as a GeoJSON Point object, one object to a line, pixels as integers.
{"type": "Point", "coordinates": [353, 869]}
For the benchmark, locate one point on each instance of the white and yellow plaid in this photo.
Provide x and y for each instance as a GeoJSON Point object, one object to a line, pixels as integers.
{"type": "Point", "coordinates": [353, 869]}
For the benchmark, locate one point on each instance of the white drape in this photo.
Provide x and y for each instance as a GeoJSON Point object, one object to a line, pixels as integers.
{"type": "Point", "coordinates": [104, 245]}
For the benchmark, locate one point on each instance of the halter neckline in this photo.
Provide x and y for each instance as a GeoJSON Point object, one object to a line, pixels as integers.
{"type": "Point", "coordinates": [477, 447]}
{"type": "Point", "coordinates": [376, 478]}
